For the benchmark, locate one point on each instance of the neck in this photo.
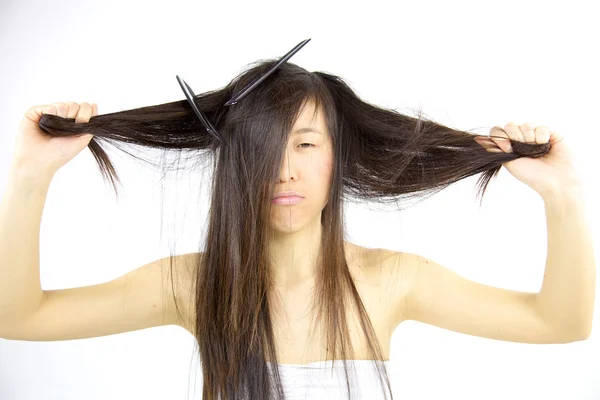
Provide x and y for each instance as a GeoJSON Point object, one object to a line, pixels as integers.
{"type": "Point", "coordinates": [295, 254]}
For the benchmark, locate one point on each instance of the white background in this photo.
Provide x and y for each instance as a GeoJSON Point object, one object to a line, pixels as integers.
{"type": "Point", "coordinates": [471, 65]}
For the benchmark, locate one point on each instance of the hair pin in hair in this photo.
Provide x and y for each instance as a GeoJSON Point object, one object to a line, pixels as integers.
{"type": "Point", "coordinates": [189, 93]}
{"type": "Point", "coordinates": [245, 91]}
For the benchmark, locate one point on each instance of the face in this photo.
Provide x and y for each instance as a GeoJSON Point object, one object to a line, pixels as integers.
{"type": "Point", "coordinates": [306, 168]}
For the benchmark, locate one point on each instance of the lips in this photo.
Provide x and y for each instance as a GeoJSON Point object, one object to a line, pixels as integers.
{"type": "Point", "coordinates": [287, 194]}
{"type": "Point", "coordinates": [287, 200]}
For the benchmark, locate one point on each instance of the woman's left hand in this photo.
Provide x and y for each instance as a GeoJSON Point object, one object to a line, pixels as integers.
{"type": "Point", "coordinates": [553, 171]}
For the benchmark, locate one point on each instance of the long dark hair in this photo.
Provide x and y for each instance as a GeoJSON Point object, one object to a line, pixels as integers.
{"type": "Point", "coordinates": [380, 155]}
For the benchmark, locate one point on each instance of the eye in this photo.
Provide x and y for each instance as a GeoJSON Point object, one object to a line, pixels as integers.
{"type": "Point", "coordinates": [310, 144]}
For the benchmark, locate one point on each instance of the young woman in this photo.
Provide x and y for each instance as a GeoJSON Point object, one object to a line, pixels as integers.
{"type": "Point", "coordinates": [276, 287]}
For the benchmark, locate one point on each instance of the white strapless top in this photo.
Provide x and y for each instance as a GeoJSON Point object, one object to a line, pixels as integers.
{"type": "Point", "coordinates": [317, 381]}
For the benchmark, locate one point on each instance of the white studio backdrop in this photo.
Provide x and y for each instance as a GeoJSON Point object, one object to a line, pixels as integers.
{"type": "Point", "coordinates": [467, 64]}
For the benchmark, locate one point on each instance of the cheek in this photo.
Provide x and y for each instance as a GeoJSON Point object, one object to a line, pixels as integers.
{"type": "Point", "coordinates": [325, 166]}
{"type": "Point", "coordinates": [326, 161]}
{"type": "Point", "coordinates": [324, 170]}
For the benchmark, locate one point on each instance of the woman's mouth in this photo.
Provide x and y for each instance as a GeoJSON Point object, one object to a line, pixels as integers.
{"type": "Point", "coordinates": [287, 200]}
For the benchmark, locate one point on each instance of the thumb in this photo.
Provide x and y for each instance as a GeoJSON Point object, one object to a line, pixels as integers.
{"type": "Point", "coordinates": [84, 138]}
{"type": "Point", "coordinates": [555, 138]}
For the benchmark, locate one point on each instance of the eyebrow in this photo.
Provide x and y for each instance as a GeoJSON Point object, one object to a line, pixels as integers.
{"type": "Point", "coordinates": [304, 130]}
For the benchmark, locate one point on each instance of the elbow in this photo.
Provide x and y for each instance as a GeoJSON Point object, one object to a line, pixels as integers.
{"type": "Point", "coordinates": [578, 338]}
{"type": "Point", "coordinates": [584, 331]}
{"type": "Point", "coordinates": [575, 335]}
{"type": "Point", "coordinates": [584, 334]}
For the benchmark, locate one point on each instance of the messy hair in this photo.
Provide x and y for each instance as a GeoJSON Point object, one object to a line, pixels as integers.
{"type": "Point", "coordinates": [380, 155]}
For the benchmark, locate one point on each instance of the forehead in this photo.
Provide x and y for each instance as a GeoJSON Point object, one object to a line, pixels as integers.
{"type": "Point", "coordinates": [310, 117]}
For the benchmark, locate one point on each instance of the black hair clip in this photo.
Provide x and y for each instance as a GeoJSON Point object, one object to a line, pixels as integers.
{"type": "Point", "coordinates": [189, 94]}
{"type": "Point", "coordinates": [244, 92]}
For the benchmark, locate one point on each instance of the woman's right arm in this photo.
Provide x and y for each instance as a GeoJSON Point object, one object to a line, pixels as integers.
{"type": "Point", "coordinates": [139, 299]}
{"type": "Point", "coordinates": [20, 215]}
{"type": "Point", "coordinates": [37, 156]}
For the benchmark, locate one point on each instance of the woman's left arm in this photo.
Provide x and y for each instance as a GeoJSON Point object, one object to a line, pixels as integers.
{"type": "Point", "coordinates": [568, 289]}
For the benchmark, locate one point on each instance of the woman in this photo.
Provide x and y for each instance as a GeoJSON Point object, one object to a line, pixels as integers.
{"type": "Point", "coordinates": [276, 283]}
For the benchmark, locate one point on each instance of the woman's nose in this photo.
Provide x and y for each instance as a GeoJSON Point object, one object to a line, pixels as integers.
{"type": "Point", "coordinates": [287, 170]}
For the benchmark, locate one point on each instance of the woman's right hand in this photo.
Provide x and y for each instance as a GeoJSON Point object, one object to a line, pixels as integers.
{"type": "Point", "coordinates": [36, 148]}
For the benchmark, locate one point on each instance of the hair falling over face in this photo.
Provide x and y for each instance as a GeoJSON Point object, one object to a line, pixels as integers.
{"type": "Point", "coordinates": [377, 155]}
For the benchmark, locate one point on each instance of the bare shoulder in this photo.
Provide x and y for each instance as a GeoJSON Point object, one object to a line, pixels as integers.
{"type": "Point", "coordinates": [381, 264]}
{"type": "Point", "coordinates": [378, 260]}
{"type": "Point", "coordinates": [386, 278]}
{"type": "Point", "coordinates": [399, 266]}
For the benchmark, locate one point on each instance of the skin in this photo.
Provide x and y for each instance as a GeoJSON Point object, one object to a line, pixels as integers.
{"type": "Point", "coordinates": [306, 168]}
{"type": "Point", "coordinates": [393, 286]}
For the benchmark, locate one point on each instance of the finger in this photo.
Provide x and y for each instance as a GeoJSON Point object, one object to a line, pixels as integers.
{"type": "Point", "coordinates": [528, 132]}
{"type": "Point", "coordinates": [497, 131]}
{"type": "Point", "coordinates": [85, 113]}
{"type": "Point", "coordinates": [513, 131]}
{"type": "Point", "coordinates": [492, 148]}
{"type": "Point", "coordinates": [488, 144]}
{"type": "Point", "coordinates": [51, 110]}
{"type": "Point", "coordinates": [542, 134]}
{"type": "Point", "coordinates": [555, 137]}
{"type": "Point", "coordinates": [61, 109]}
{"type": "Point", "coordinates": [501, 139]}
{"type": "Point", "coordinates": [73, 109]}
{"type": "Point", "coordinates": [94, 109]}
{"type": "Point", "coordinates": [35, 113]}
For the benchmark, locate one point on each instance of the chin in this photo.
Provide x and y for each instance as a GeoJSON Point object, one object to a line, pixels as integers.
{"type": "Point", "coordinates": [285, 227]}
{"type": "Point", "coordinates": [285, 223]}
